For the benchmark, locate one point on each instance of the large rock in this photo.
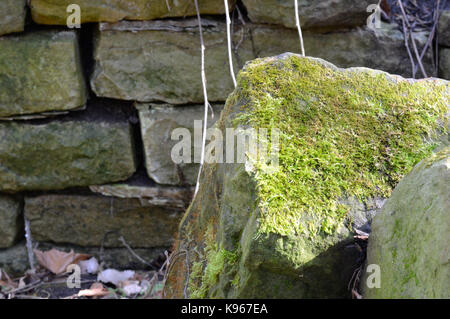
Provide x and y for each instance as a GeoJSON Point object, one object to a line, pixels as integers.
{"type": "Point", "coordinates": [410, 237]}
{"type": "Point", "coordinates": [54, 11]}
{"type": "Point", "coordinates": [313, 14]}
{"type": "Point", "coordinates": [139, 65]}
{"type": "Point", "coordinates": [261, 230]}
{"type": "Point", "coordinates": [444, 63]}
{"type": "Point", "coordinates": [11, 221]}
{"type": "Point", "coordinates": [12, 16]}
{"type": "Point", "coordinates": [444, 28]}
{"type": "Point", "coordinates": [157, 124]}
{"type": "Point", "coordinates": [100, 221]}
{"type": "Point", "coordinates": [62, 154]}
{"type": "Point", "coordinates": [40, 71]}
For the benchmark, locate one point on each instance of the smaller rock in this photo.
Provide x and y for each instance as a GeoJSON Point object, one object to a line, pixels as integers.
{"type": "Point", "coordinates": [157, 125]}
{"type": "Point", "coordinates": [12, 16]}
{"type": "Point", "coordinates": [14, 260]}
{"type": "Point", "coordinates": [444, 28]}
{"type": "Point", "coordinates": [313, 14]}
{"type": "Point", "coordinates": [444, 63]}
{"type": "Point", "coordinates": [11, 221]}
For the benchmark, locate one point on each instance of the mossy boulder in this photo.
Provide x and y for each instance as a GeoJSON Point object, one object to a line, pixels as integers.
{"type": "Point", "coordinates": [410, 237]}
{"type": "Point", "coordinates": [12, 16]}
{"type": "Point", "coordinates": [11, 220]}
{"type": "Point", "coordinates": [61, 154]}
{"type": "Point", "coordinates": [40, 71]}
{"type": "Point", "coordinates": [92, 220]}
{"type": "Point", "coordinates": [259, 230]}
{"type": "Point", "coordinates": [54, 11]}
{"type": "Point", "coordinates": [313, 14]}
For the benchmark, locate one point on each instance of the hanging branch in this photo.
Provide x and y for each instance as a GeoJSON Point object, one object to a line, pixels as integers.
{"type": "Point", "coordinates": [205, 94]}
{"type": "Point", "coordinates": [297, 22]}
{"type": "Point", "coordinates": [410, 33]}
{"type": "Point", "coordinates": [230, 59]}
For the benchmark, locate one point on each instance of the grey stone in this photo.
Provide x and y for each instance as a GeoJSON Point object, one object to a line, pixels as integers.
{"type": "Point", "coordinates": [157, 125]}
{"type": "Point", "coordinates": [444, 63]}
{"type": "Point", "coordinates": [11, 221]}
{"type": "Point", "coordinates": [444, 28]}
{"type": "Point", "coordinates": [312, 14]}
{"type": "Point", "coordinates": [410, 237]}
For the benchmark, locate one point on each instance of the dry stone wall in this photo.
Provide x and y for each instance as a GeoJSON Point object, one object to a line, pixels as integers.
{"type": "Point", "coordinates": [86, 114]}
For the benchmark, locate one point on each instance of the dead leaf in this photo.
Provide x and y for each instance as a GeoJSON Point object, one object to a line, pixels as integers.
{"type": "Point", "coordinates": [57, 261]}
{"type": "Point", "coordinates": [96, 290]}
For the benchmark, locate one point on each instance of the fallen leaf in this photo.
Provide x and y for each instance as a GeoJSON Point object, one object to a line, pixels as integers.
{"type": "Point", "coordinates": [96, 290]}
{"type": "Point", "coordinates": [57, 261]}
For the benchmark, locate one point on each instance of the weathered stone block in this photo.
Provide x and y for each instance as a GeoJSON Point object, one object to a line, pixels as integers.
{"type": "Point", "coordinates": [11, 221]}
{"type": "Point", "coordinates": [444, 63]}
{"type": "Point", "coordinates": [278, 229]}
{"type": "Point", "coordinates": [139, 65]}
{"type": "Point", "coordinates": [100, 221]}
{"type": "Point", "coordinates": [54, 11]}
{"type": "Point", "coordinates": [157, 195]}
{"type": "Point", "coordinates": [157, 125]}
{"type": "Point", "coordinates": [410, 237]}
{"type": "Point", "coordinates": [40, 71]}
{"type": "Point", "coordinates": [444, 28]}
{"type": "Point", "coordinates": [313, 14]}
{"type": "Point", "coordinates": [12, 16]}
{"type": "Point", "coordinates": [63, 154]}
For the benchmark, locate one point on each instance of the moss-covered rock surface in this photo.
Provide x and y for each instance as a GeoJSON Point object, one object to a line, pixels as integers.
{"type": "Point", "coordinates": [40, 71]}
{"type": "Point", "coordinates": [347, 137]}
{"type": "Point", "coordinates": [63, 154]}
{"type": "Point", "coordinates": [12, 16]}
{"type": "Point", "coordinates": [410, 236]}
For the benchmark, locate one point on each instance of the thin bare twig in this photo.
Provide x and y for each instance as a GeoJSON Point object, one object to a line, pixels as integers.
{"type": "Point", "coordinates": [410, 33]}
{"type": "Point", "coordinates": [134, 253]}
{"type": "Point", "coordinates": [205, 95]}
{"type": "Point", "coordinates": [230, 58]}
{"type": "Point", "coordinates": [299, 29]}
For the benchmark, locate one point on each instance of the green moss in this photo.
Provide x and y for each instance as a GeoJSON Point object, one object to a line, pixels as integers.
{"type": "Point", "coordinates": [341, 134]}
{"type": "Point", "coordinates": [201, 278]}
